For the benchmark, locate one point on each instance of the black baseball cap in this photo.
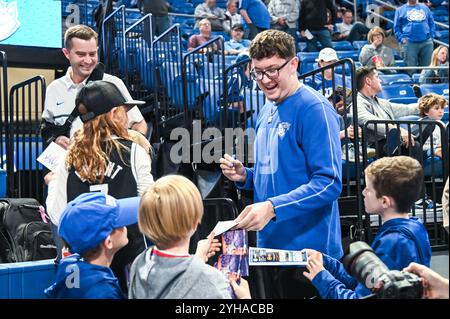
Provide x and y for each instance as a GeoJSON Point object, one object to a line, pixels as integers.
{"type": "Point", "coordinates": [100, 97]}
{"type": "Point", "coordinates": [237, 26]}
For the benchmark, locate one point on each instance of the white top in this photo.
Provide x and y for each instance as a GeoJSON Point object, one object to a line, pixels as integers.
{"type": "Point", "coordinates": [344, 28]}
{"type": "Point", "coordinates": [57, 189]}
{"type": "Point", "coordinates": [60, 100]}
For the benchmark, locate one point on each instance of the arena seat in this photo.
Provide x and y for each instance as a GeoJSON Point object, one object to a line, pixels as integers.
{"type": "Point", "coordinates": [441, 88]}
{"type": "Point", "coordinates": [358, 45]}
{"type": "Point", "coordinates": [342, 46]}
{"type": "Point", "coordinates": [396, 91]}
{"type": "Point", "coordinates": [388, 79]}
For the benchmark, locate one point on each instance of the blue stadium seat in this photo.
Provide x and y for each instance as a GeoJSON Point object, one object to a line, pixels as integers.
{"type": "Point", "coordinates": [404, 100]}
{"type": "Point", "coordinates": [445, 117]}
{"type": "Point", "coordinates": [415, 78]}
{"type": "Point", "coordinates": [441, 89]}
{"type": "Point", "coordinates": [301, 46]}
{"type": "Point", "coordinates": [388, 79]}
{"type": "Point", "coordinates": [307, 60]}
{"type": "Point", "coordinates": [342, 46]}
{"type": "Point", "coordinates": [354, 55]}
{"type": "Point", "coordinates": [358, 45]}
{"type": "Point", "coordinates": [397, 91]}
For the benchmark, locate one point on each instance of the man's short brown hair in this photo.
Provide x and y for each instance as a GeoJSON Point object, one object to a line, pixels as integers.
{"type": "Point", "coordinates": [271, 43]}
{"type": "Point", "coordinates": [361, 74]}
{"type": "Point", "coordinates": [428, 101]}
{"type": "Point", "coordinates": [80, 31]}
{"type": "Point", "coordinates": [399, 177]}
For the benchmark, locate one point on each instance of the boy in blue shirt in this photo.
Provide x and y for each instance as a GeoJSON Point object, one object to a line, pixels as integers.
{"type": "Point", "coordinates": [93, 228]}
{"type": "Point", "coordinates": [392, 185]}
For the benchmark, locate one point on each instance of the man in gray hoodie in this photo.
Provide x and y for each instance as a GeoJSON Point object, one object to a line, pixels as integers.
{"type": "Point", "coordinates": [169, 214]}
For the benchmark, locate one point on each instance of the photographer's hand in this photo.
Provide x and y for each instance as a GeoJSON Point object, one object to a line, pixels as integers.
{"type": "Point", "coordinates": [314, 265]}
{"type": "Point", "coordinates": [435, 286]}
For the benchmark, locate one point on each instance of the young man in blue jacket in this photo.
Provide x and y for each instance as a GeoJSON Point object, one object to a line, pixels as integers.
{"type": "Point", "coordinates": [296, 176]}
{"type": "Point", "coordinates": [93, 228]}
{"type": "Point", "coordinates": [392, 186]}
{"type": "Point", "coordinates": [415, 29]}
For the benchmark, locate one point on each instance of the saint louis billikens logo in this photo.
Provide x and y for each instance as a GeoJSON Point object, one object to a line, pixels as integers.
{"type": "Point", "coordinates": [9, 22]}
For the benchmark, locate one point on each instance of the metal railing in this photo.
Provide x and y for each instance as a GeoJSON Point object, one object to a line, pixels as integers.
{"type": "Point", "coordinates": [24, 143]}
{"type": "Point", "coordinates": [203, 84]}
{"type": "Point", "coordinates": [113, 39]}
{"type": "Point", "coordinates": [3, 106]}
{"type": "Point", "coordinates": [342, 74]}
{"type": "Point", "coordinates": [168, 83]}
{"type": "Point", "coordinates": [139, 75]}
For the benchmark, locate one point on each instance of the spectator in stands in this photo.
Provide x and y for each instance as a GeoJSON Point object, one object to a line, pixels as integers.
{"type": "Point", "coordinates": [392, 185]}
{"type": "Point", "coordinates": [160, 18]}
{"type": "Point", "coordinates": [324, 84]}
{"type": "Point", "coordinates": [284, 14]}
{"type": "Point", "coordinates": [347, 30]}
{"type": "Point", "coordinates": [256, 17]}
{"type": "Point", "coordinates": [215, 15]}
{"type": "Point", "coordinates": [80, 48]}
{"type": "Point", "coordinates": [313, 23]}
{"type": "Point", "coordinates": [415, 29]}
{"type": "Point", "coordinates": [169, 214]}
{"type": "Point", "coordinates": [93, 228]}
{"type": "Point", "coordinates": [288, 212]}
{"type": "Point", "coordinates": [376, 53]}
{"type": "Point", "coordinates": [438, 58]}
{"type": "Point", "coordinates": [431, 107]}
{"type": "Point", "coordinates": [237, 43]}
{"type": "Point", "coordinates": [232, 12]}
{"type": "Point", "coordinates": [370, 107]}
{"type": "Point", "coordinates": [435, 286]}
{"type": "Point", "coordinates": [197, 40]}
{"type": "Point", "coordinates": [103, 157]}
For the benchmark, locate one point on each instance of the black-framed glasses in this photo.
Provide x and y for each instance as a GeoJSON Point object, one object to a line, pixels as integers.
{"type": "Point", "coordinates": [272, 74]}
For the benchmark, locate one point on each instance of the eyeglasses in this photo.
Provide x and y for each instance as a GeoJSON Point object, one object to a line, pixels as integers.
{"type": "Point", "coordinates": [272, 74]}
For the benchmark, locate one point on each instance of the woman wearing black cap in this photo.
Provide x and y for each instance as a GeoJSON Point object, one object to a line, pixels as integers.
{"type": "Point", "coordinates": [103, 157]}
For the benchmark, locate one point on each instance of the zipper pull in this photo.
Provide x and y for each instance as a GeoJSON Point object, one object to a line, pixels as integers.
{"type": "Point", "coordinates": [42, 212]}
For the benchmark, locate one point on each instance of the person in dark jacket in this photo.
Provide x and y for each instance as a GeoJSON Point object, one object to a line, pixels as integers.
{"type": "Point", "coordinates": [392, 186]}
{"type": "Point", "coordinates": [93, 227]}
{"type": "Point", "coordinates": [313, 23]}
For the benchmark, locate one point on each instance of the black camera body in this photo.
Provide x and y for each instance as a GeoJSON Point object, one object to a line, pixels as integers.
{"type": "Point", "coordinates": [363, 264]}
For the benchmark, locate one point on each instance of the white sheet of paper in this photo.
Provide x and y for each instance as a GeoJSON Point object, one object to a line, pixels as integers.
{"type": "Point", "coordinates": [52, 156]}
{"type": "Point", "coordinates": [308, 34]}
{"type": "Point", "coordinates": [222, 227]}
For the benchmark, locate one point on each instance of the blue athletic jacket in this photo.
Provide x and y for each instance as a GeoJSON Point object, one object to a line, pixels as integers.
{"type": "Point", "coordinates": [399, 242]}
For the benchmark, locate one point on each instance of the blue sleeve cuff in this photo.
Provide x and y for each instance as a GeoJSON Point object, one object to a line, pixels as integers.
{"type": "Point", "coordinates": [248, 184]}
{"type": "Point", "coordinates": [322, 282]}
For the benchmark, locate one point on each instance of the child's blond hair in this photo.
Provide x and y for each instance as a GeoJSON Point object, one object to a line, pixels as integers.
{"type": "Point", "coordinates": [428, 101]}
{"type": "Point", "coordinates": [170, 210]}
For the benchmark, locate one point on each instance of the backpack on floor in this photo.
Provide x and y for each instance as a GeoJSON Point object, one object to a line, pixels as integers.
{"type": "Point", "coordinates": [25, 234]}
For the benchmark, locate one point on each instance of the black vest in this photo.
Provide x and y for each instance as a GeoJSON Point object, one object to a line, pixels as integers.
{"type": "Point", "coordinates": [118, 179]}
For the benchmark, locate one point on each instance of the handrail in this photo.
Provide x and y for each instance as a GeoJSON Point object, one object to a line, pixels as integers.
{"type": "Point", "coordinates": [413, 68]}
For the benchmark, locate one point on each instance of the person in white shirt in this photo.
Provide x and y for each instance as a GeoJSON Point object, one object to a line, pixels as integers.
{"type": "Point", "coordinates": [232, 12]}
{"type": "Point", "coordinates": [80, 48]}
{"type": "Point", "coordinates": [351, 31]}
{"type": "Point", "coordinates": [284, 15]}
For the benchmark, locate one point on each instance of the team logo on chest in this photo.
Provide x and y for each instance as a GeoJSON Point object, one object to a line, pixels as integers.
{"type": "Point", "coordinates": [283, 127]}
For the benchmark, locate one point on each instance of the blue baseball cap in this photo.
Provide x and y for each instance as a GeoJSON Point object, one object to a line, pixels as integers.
{"type": "Point", "coordinates": [91, 217]}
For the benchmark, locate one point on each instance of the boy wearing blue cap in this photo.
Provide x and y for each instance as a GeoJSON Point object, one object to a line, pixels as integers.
{"type": "Point", "coordinates": [93, 228]}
